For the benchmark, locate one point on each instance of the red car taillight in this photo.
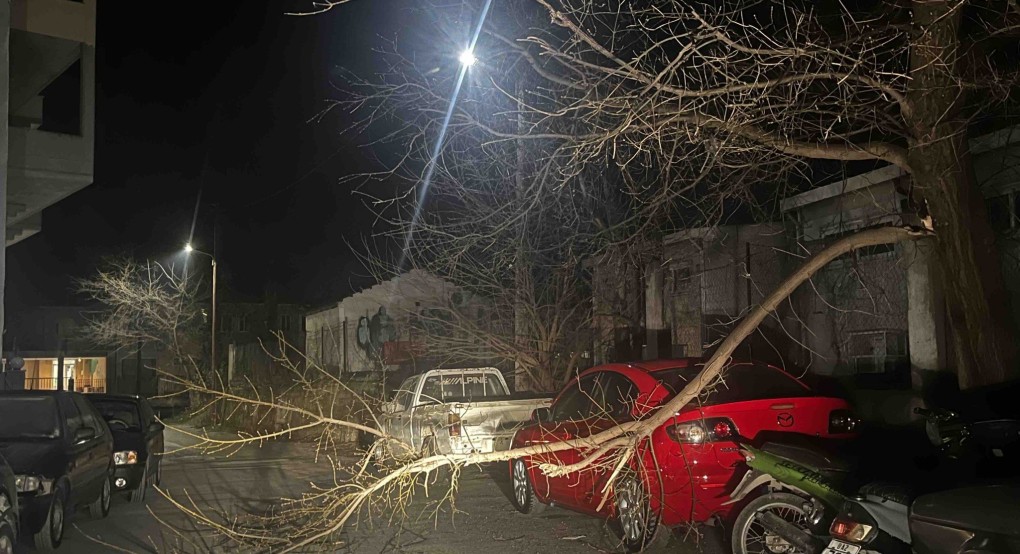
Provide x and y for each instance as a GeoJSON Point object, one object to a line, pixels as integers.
{"type": "Point", "coordinates": [453, 421]}
{"type": "Point", "coordinates": [842, 421]}
{"type": "Point", "coordinates": [702, 430]}
{"type": "Point", "coordinates": [851, 531]}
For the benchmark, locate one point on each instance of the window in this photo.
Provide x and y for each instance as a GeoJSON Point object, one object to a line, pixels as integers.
{"type": "Point", "coordinates": [740, 382]}
{"type": "Point", "coordinates": [242, 324]}
{"type": "Point", "coordinates": [72, 416]}
{"type": "Point", "coordinates": [406, 391]}
{"type": "Point", "coordinates": [89, 417]}
{"type": "Point", "coordinates": [28, 417]}
{"type": "Point", "coordinates": [1003, 212]}
{"type": "Point", "coordinates": [465, 386]}
{"type": "Point", "coordinates": [575, 403]}
{"type": "Point", "coordinates": [123, 414]}
{"type": "Point", "coordinates": [285, 322]}
{"type": "Point", "coordinates": [614, 395]}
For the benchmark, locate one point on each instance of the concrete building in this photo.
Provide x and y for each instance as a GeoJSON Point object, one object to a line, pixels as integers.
{"type": "Point", "coordinates": [382, 328]}
{"type": "Point", "coordinates": [247, 330]}
{"type": "Point", "coordinates": [47, 101]}
{"type": "Point", "coordinates": [688, 294]}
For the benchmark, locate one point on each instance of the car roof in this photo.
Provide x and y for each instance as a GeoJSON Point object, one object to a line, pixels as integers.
{"type": "Point", "coordinates": [37, 392]}
{"type": "Point", "coordinates": [111, 396]}
{"type": "Point", "coordinates": [653, 366]}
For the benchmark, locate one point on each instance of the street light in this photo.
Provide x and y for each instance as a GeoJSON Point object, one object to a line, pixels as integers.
{"type": "Point", "coordinates": [188, 249]}
{"type": "Point", "coordinates": [467, 58]}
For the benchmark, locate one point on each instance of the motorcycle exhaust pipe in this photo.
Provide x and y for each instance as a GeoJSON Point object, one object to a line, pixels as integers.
{"type": "Point", "coordinates": [789, 532]}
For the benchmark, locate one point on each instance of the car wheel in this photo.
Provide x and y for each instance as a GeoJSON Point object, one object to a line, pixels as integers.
{"type": "Point", "coordinates": [52, 533]}
{"type": "Point", "coordinates": [6, 538]}
{"type": "Point", "coordinates": [7, 522]}
{"type": "Point", "coordinates": [158, 476]}
{"type": "Point", "coordinates": [751, 537]}
{"type": "Point", "coordinates": [100, 507]}
{"type": "Point", "coordinates": [524, 498]}
{"type": "Point", "coordinates": [138, 495]}
{"type": "Point", "coordinates": [637, 525]}
{"type": "Point", "coordinates": [442, 474]}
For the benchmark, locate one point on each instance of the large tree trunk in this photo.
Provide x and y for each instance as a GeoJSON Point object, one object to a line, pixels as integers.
{"type": "Point", "coordinates": [980, 323]}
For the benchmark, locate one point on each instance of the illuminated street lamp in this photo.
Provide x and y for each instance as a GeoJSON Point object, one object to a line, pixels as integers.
{"type": "Point", "coordinates": [188, 249]}
{"type": "Point", "coordinates": [467, 58]}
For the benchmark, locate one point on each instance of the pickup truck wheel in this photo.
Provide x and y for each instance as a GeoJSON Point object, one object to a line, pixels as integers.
{"type": "Point", "coordinates": [441, 474]}
{"type": "Point", "coordinates": [100, 507]}
{"type": "Point", "coordinates": [523, 497]}
{"type": "Point", "coordinates": [52, 533]}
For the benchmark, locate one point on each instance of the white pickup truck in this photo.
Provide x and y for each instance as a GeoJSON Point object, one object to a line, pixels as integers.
{"type": "Point", "coordinates": [455, 411]}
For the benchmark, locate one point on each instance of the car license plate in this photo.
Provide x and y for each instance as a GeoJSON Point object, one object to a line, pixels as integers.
{"type": "Point", "coordinates": [840, 547]}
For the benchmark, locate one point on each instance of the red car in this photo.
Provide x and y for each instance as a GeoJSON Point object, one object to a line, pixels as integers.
{"type": "Point", "coordinates": [681, 472]}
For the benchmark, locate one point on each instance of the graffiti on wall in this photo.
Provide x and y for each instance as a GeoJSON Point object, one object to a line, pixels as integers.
{"type": "Point", "coordinates": [374, 331]}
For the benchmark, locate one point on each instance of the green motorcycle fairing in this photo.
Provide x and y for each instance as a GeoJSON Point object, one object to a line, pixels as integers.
{"type": "Point", "coordinates": [796, 475]}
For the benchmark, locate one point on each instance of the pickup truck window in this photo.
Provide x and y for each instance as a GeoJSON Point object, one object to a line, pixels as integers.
{"type": "Point", "coordinates": [440, 388]}
{"type": "Point", "coordinates": [405, 392]}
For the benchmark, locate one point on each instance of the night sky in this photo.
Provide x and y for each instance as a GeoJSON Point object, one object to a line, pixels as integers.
{"type": "Point", "coordinates": [219, 96]}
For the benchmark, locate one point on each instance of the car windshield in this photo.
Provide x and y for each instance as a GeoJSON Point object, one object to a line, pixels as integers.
{"type": "Point", "coordinates": [740, 382]}
{"type": "Point", "coordinates": [28, 417]}
{"type": "Point", "coordinates": [119, 414]}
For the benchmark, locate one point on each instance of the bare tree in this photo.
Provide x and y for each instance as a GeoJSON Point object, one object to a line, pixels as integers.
{"type": "Point", "coordinates": [357, 491]}
{"type": "Point", "coordinates": [697, 105]}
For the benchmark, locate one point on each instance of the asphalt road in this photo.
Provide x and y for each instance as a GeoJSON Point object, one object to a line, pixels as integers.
{"type": "Point", "coordinates": [482, 519]}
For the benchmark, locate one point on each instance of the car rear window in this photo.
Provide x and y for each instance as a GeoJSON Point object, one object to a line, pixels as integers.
{"type": "Point", "coordinates": [28, 417]}
{"type": "Point", "coordinates": [740, 382]}
{"type": "Point", "coordinates": [123, 413]}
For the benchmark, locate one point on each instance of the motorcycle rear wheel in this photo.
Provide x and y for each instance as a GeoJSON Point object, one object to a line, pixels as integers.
{"type": "Point", "coordinates": [750, 537]}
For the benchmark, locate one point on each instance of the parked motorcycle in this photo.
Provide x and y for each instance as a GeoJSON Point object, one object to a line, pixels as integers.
{"type": "Point", "coordinates": [801, 509]}
{"type": "Point", "coordinates": [966, 520]}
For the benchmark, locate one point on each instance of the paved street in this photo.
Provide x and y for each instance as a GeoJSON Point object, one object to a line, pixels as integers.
{"type": "Point", "coordinates": [485, 520]}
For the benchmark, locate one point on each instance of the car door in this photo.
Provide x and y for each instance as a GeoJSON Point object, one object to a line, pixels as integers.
{"type": "Point", "coordinates": [98, 454]}
{"type": "Point", "coordinates": [78, 452]}
{"type": "Point", "coordinates": [613, 396]}
{"type": "Point", "coordinates": [568, 417]}
{"type": "Point", "coordinates": [153, 433]}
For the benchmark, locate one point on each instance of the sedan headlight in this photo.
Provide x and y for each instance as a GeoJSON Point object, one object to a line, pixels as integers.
{"type": "Point", "coordinates": [125, 458]}
{"type": "Point", "coordinates": [27, 483]}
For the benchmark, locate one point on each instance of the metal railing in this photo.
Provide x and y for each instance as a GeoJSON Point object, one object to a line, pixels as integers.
{"type": "Point", "coordinates": [80, 385]}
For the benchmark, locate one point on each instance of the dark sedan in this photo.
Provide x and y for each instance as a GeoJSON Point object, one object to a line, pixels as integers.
{"type": "Point", "coordinates": [61, 453]}
{"type": "Point", "coordinates": [137, 441]}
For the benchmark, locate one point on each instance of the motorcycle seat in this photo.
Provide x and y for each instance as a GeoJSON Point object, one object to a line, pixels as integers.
{"type": "Point", "coordinates": [807, 456]}
{"type": "Point", "coordinates": [989, 509]}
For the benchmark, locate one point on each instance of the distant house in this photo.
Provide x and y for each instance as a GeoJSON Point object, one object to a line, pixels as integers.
{"type": "Point", "coordinates": [42, 337]}
{"type": "Point", "coordinates": [384, 327]}
{"type": "Point", "coordinates": [249, 334]}
{"type": "Point", "coordinates": [690, 290]}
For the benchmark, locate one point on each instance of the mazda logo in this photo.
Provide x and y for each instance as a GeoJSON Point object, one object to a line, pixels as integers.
{"type": "Point", "coordinates": [785, 420]}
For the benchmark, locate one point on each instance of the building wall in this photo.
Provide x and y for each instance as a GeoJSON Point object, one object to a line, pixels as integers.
{"type": "Point", "coordinates": [348, 337]}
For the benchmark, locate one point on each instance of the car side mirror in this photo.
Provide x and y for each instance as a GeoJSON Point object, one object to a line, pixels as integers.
{"type": "Point", "coordinates": [387, 407]}
{"type": "Point", "coordinates": [84, 434]}
{"type": "Point", "coordinates": [156, 427]}
{"type": "Point", "coordinates": [541, 415]}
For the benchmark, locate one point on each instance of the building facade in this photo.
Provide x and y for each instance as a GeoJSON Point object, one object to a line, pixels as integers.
{"type": "Point", "coordinates": [47, 102]}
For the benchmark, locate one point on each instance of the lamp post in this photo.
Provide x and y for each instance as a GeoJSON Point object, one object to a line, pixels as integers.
{"type": "Point", "coordinates": [188, 249]}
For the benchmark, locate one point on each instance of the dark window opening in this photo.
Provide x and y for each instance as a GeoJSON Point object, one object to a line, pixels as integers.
{"type": "Point", "coordinates": [61, 111]}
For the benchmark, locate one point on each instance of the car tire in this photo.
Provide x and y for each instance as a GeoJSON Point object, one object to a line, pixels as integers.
{"type": "Point", "coordinates": [741, 541]}
{"type": "Point", "coordinates": [7, 523]}
{"type": "Point", "coordinates": [100, 507]}
{"type": "Point", "coordinates": [636, 524]}
{"type": "Point", "coordinates": [52, 533]}
{"type": "Point", "coordinates": [138, 495]}
{"type": "Point", "coordinates": [522, 491]}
